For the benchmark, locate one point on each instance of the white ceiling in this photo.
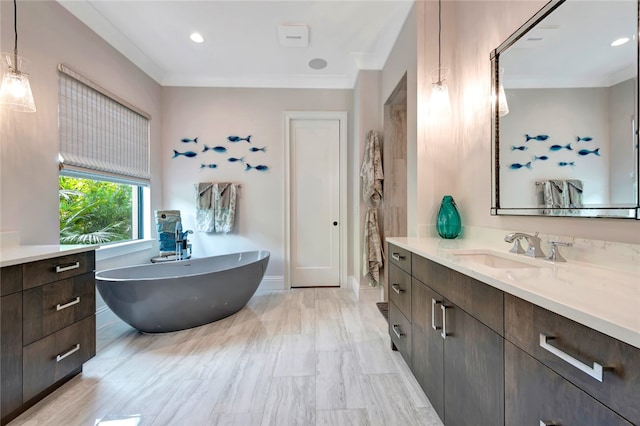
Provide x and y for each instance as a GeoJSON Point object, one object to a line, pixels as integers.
{"type": "Point", "coordinates": [241, 47]}
{"type": "Point", "coordinates": [571, 47]}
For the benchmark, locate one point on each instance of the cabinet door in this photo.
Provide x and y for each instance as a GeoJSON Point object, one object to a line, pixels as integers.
{"type": "Point", "coordinates": [11, 353]}
{"type": "Point", "coordinates": [536, 395]}
{"type": "Point", "coordinates": [474, 373]}
{"type": "Point", "coordinates": [428, 345]}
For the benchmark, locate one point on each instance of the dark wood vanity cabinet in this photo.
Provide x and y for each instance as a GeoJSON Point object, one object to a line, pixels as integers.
{"type": "Point", "coordinates": [48, 327]}
{"type": "Point", "coordinates": [485, 357]}
{"type": "Point", "coordinates": [454, 355]}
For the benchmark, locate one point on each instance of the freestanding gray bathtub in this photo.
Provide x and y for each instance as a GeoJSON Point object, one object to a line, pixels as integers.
{"type": "Point", "coordinates": [172, 296]}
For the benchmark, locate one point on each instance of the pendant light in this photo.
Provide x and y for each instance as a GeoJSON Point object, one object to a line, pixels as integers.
{"type": "Point", "coordinates": [503, 107]}
{"type": "Point", "coordinates": [15, 91]}
{"type": "Point", "coordinates": [440, 103]}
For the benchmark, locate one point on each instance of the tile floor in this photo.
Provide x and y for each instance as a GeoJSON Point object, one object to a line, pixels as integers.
{"type": "Point", "coordinates": [302, 357]}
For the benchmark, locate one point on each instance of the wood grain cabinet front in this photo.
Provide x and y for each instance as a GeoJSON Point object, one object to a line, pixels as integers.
{"type": "Point", "coordinates": [400, 332]}
{"type": "Point", "coordinates": [51, 307]}
{"type": "Point", "coordinates": [604, 367]}
{"type": "Point", "coordinates": [11, 352]}
{"type": "Point", "coordinates": [400, 289]}
{"type": "Point", "coordinates": [536, 395]}
{"type": "Point", "coordinates": [57, 268]}
{"type": "Point", "coordinates": [58, 355]}
{"type": "Point", "coordinates": [400, 257]}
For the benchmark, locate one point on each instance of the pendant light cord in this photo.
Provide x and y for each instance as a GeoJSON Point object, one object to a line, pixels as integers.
{"type": "Point", "coordinates": [15, 30]}
{"type": "Point", "coordinates": [439, 37]}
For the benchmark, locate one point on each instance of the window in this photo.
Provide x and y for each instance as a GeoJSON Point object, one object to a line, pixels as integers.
{"type": "Point", "coordinates": [104, 163]}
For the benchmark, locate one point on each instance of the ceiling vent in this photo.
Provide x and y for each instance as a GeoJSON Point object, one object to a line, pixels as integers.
{"type": "Point", "coordinates": [293, 35]}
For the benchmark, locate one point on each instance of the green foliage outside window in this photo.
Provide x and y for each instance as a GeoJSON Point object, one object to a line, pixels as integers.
{"type": "Point", "coordinates": [94, 212]}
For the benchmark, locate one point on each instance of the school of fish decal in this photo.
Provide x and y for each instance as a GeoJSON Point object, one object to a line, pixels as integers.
{"type": "Point", "coordinates": [219, 149]}
{"type": "Point", "coordinates": [554, 148]}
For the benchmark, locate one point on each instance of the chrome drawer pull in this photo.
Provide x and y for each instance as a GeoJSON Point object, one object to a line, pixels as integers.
{"type": "Point", "coordinates": [548, 423]}
{"type": "Point", "coordinates": [595, 371]}
{"type": "Point", "coordinates": [397, 289]}
{"type": "Point", "coordinates": [444, 321]}
{"type": "Point", "coordinates": [75, 301]}
{"type": "Point", "coordinates": [73, 350]}
{"type": "Point", "coordinates": [396, 256]}
{"type": "Point", "coordinates": [67, 268]}
{"type": "Point", "coordinates": [396, 329]}
{"type": "Point", "coordinates": [434, 302]}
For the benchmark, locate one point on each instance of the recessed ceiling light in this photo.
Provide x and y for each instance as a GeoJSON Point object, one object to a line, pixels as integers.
{"type": "Point", "coordinates": [620, 41]}
{"type": "Point", "coordinates": [318, 63]}
{"type": "Point", "coordinates": [196, 38]}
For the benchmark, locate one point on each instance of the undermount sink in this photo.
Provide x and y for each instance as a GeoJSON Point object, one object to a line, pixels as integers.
{"type": "Point", "coordinates": [493, 259]}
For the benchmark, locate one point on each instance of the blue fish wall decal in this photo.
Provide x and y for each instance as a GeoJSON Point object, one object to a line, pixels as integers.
{"type": "Point", "coordinates": [255, 149]}
{"type": "Point", "coordinates": [587, 152]}
{"type": "Point", "coordinates": [584, 139]}
{"type": "Point", "coordinates": [516, 166]}
{"type": "Point", "coordinates": [189, 154]}
{"type": "Point", "coordinates": [537, 138]}
{"type": "Point", "coordinates": [541, 157]}
{"type": "Point", "coordinates": [238, 139]}
{"type": "Point", "coordinates": [261, 167]}
{"type": "Point", "coordinates": [233, 159]}
{"type": "Point", "coordinates": [565, 164]}
{"type": "Point", "coordinates": [219, 149]}
{"type": "Point", "coordinates": [187, 140]}
{"type": "Point", "coordinates": [559, 147]}
{"type": "Point", "coordinates": [519, 148]}
{"type": "Point", "coordinates": [210, 166]}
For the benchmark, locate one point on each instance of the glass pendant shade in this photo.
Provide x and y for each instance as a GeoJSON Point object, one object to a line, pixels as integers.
{"type": "Point", "coordinates": [15, 91]}
{"type": "Point", "coordinates": [439, 103]}
{"type": "Point", "coordinates": [503, 107]}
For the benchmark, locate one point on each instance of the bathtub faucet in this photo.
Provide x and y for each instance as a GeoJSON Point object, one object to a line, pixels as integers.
{"type": "Point", "coordinates": [183, 248]}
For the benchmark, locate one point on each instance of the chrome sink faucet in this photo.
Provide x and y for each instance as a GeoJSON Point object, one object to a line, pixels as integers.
{"type": "Point", "coordinates": [534, 249]}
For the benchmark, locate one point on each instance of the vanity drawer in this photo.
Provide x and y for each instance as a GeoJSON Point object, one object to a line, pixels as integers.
{"type": "Point", "coordinates": [57, 268]}
{"type": "Point", "coordinates": [575, 348]}
{"type": "Point", "coordinates": [51, 307]}
{"type": "Point", "coordinates": [10, 279]}
{"type": "Point", "coordinates": [483, 302]}
{"type": "Point", "coordinates": [400, 289]}
{"type": "Point", "coordinates": [400, 257]}
{"type": "Point", "coordinates": [535, 395]}
{"type": "Point", "coordinates": [57, 355]}
{"type": "Point", "coordinates": [400, 332]}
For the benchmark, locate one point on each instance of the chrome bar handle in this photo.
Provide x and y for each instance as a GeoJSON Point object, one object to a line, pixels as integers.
{"type": "Point", "coordinates": [396, 329]}
{"type": "Point", "coordinates": [67, 268]}
{"type": "Point", "coordinates": [75, 301]}
{"type": "Point", "coordinates": [397, 256]}
{"type": "Point", "coordinates": [397, 289]}
{"type": "Point", "coordinates": [444, 321]}
{"type": "Point", "coordinates": [595, 371]}
{"type": "Point", "coordinates": [434, 303]}
{"type": "Point", "coordinates": [548, 423]}
{"type": "Point", "coordinates": [71, 351]}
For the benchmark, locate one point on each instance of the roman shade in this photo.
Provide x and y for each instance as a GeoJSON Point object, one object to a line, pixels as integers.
{"type": "Point", "coordinates": [100, 132]}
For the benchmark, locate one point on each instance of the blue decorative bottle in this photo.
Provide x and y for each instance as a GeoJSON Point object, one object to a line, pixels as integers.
{"type": "Point", "coordinates": [449, 224]}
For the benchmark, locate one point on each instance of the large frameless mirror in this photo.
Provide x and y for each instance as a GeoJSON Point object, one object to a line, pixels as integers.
{"type": "Point", "coordinates": [565, 113]}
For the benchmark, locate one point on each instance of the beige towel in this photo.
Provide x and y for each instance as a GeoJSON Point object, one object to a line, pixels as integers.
{"type": "Point", "coordinates": [373, 253]}
{"type": "Point", "coordinates": [371, 170]}
{"type": "Point", "coordinates": [224, 206]}
{"type": "Point", "coordinates": [204, 208]}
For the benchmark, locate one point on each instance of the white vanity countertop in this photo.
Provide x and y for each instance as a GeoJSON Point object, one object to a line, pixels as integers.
{"type": "Point", "coordinates": [605, 299]}
{"type": "Point", "coordinates": [15, 255]}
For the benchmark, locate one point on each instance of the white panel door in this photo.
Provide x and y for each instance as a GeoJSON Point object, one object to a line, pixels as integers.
{"type": "Point", "coordinates": [315, 202]}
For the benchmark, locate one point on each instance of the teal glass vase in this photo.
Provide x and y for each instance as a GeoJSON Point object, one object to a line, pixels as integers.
{"type": "Point", "coordinates": [449, 224]}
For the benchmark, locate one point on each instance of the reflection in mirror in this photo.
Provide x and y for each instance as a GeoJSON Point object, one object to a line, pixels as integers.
{"type": "Point", "coordinates": [568, 144]}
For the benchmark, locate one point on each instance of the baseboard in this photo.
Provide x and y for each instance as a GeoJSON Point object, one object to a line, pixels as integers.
{"type": "Point", "coordinates": [353, 284]}
{"type": "Point", "coordinates": [275, 282]}
{"type": "Point", "coordinates": [105, 316]}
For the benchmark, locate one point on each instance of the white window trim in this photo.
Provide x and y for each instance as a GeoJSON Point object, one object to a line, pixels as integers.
{"type": "Point", "coordinates": [123, 248]}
